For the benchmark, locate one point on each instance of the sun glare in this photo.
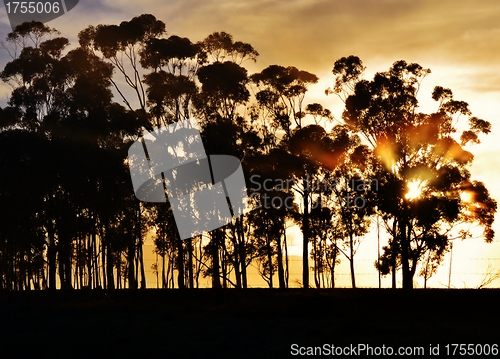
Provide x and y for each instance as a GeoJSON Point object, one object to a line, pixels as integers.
{"type": "Point", "coordinates": [414, 189]}
{"type": "Point", "coordinates": [466, 196]}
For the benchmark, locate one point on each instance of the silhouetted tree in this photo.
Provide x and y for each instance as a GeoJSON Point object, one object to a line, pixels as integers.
{"type": "Point", "coordinates": [416, 151]}
{"type": "Point", "coordinates": [65, 102]}
{"type": "Point", "coordinates": [281, 94]}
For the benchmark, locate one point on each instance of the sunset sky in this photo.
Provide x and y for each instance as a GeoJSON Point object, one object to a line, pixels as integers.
{"type": "Point", "coordinates": [458, 40]}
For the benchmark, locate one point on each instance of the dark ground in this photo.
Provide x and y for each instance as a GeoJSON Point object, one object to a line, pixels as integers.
{"type": "Point", "coordinates": [252, 323]}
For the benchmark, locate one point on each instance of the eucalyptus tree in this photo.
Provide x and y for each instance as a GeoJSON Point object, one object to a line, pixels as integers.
{"type": "Point", "coordinates": [280, 95]}
{"type": "Point", "coordinates": [426, 190]}
{"type": "Point", "coordinates": [23, 229]}
{"type": "Point", "coordinates": [353, 191]}
{"type": "Point", "coordinates": [271, 185]}
{"type": "Point", "coordinates": [325, 242]}
{"type": "Point", "coordinates": [281, 91]}
{"type": "Point", "coordinates": [220, 106]}
{"type": "Point", "coordinates": [64, 99]}
{"type": "Point", "coordinates": [174, 63]}
{"type": "Point", "coordinates": [122, 46]}
{"type": "Point", "coordinates": [220, 47]}
{"type": "Point", "coordinates": [35, 98]}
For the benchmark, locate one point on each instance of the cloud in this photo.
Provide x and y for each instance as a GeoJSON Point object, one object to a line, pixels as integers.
{"type": "Point", "coordinates": [312, 34]}
{"type": "Point", "coordinates": [316, 33]}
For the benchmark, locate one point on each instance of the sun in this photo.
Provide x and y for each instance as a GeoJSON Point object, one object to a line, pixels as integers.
{"type": "Point", "coordinates": [466, 196]}
{"type": "Point", "coordinates": [414, 189]}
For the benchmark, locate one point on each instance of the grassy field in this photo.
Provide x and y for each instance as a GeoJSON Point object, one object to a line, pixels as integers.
{"type": "Point", "coordinates": [253, 323]}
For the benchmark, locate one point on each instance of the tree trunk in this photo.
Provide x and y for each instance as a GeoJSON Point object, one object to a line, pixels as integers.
{"type": "Point", "coordinates": [88, 259]}
{"type": "Point", "coordinates": [141, 263]}
{"type": "Point", "coordinates": [394, 253]}
{"type": "Point", "coordinates": [281, 270]}
{"type": "Point", "coordinates": [132, 283]}
{"type": "Point", "coordinates": [407, 279]}
{"type": "Point", "coordinates": [305, 235]}
{"type": "Point", "coordinates": [270, 261]}
{"type": "Point", "coordinates": [285, 246]}
{"type": "Point", "coordinates": [351, 259]}
{"type": "Point", "coordinates": [104, 262]}
{"type": "Point", "coordinates": [190, 263]}
{"type": "Point", "coordinates": [316, 264]}
{"type": "Point", "coordinates": [95, 262]}
{"type": "Point", "coordinates": [109, 264]}
{"type": "Point", "coordinates": [51, 255]}
{"type": "Point", "coordinates": [332, 267]}
{"type": "Point", "coordinates": [223, 262]}
{"type": "Point", "coordinates": [242, 253]}
{"type": "Point", "coordinates": [236, 254]}
{"type": "Point", "coordinates": [163, 279]}
{"type": "Point", "coordinates": [215, 258]}
{"type": "Point", "coordinates": [180, 263]}
{"type": "Point", "coordinates": [65, 262]}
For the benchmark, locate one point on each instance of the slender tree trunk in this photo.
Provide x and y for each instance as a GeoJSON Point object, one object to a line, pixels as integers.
{"type": "Point", "coordinates": [451, 262]}
{"type": "Point", "coordinates": [104, 261]}
{"type": "Point", "coordinates": [236, 255]}
{"type": "Point", "coordinates": [95, 258]}
{"type": "Point", "coordinates": [243, 263]}
{"type": "Point", "coordinates": [141, 263]}
{"type": "Point", "coordinates": [281, 270]}
{"type": "Point", "coordinates": [190, 263]}
{"type": "Point", "coordinates": [215, 258]}
{"type": "Point", "coordinates": [89, 261]}
{"type": "Point", "coordinates": [180, 264]}
{"type": "Point", "coordinates": [62, 253]}
{"type": "Point", "coordinates": [378, 252]}
{"type": "Point", "coordinates": [332, 267]}
{"type": "Point", "coordinates": [118, 273]}
{"type": "Point", "coordinates": [322, 251]}
{"type": "Point", "coordinates": [394, 254]}
{"type": "Point", "coordinates": [243, 254]}
{"type": "Point", "coordinates": [198, 263]}
{"type": "Point", "coordinates": [157, 276]}
{"type": "Point", "coordinates": [51, 254]}
{"type": "Point", "coordinates": [305, 234]}
{"type": "Point", "coordinates": [130, 261]}
{"type": "Point", "coordinates": [351, 259]}
{"type": "Point", "coordinates": [29, 269]}
{"type": "Point", "coordinates": [270, 261]}
{"type": "Point", "coordinates": [170, 272]}
{"type": "Point", "coordinates": [109, 263]}
{"type": "Point", "coordinates": [65, 262]}
{"type": "Point", "coordinates": [140, 242]}
{"type": "Point", "coordinates": [316, 263]}
{"type": "Point", "coordinates": [426, 270]}
{"type": "Point", "coordinates": [285, 246]}
{"type": "Point", "coordinates": [163, 279]}
{"type": "Point", "coordinates": [223, 259]}
{"type": "Point", "coordinates": [407, 280]}
{"type": "Point", "coordinates": [80, 263]}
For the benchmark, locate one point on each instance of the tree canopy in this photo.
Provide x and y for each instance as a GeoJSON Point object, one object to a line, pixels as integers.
{"type": "Point", "coordinates": [69, 217]}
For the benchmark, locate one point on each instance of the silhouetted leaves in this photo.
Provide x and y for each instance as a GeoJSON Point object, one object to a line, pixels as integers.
{"type": "Point", "coordinates": [414, 149]}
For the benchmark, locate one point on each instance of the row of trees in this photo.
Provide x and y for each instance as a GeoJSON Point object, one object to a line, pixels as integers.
{"type": "Point", "coordinates": [69, 215]}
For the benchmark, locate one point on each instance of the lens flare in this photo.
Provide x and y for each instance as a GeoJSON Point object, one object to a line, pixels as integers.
{"type": "Point", "coordinates": [414, 189]}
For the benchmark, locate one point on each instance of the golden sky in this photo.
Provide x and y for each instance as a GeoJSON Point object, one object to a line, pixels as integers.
{"type": "Point", "coordinates": [459, 40]}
